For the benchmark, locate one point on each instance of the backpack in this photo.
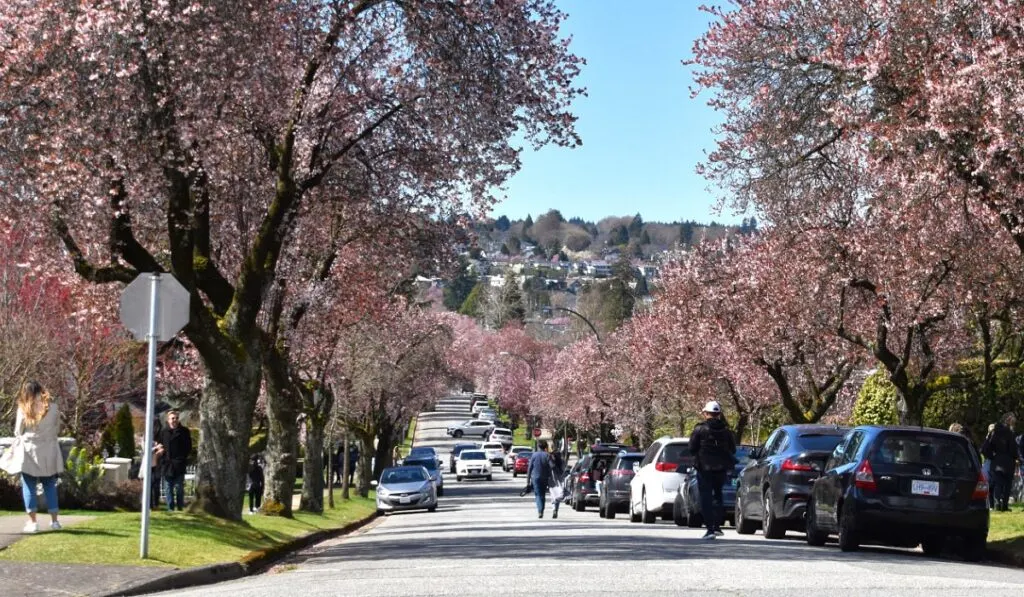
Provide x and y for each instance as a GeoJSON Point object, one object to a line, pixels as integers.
{"type": "Point", "coordinates": [716, 450]}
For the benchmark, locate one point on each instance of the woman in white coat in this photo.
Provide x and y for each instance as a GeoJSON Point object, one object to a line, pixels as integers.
{"type": "Point", "coordinates": [37, 424]}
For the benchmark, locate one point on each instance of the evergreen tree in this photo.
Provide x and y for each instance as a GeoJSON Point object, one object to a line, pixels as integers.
{"type": "Point", "coordinates": [471, 306]}
{"type": "Point", "coordinates": [636, 227]}
{"type": "Point", "coordinates": [124, 432]}
{"type": "Point", "coordinates": [513, 244]}
{"type": "Point", "coordinates": [502, 224]}
{"type": "Point", "coordinates": [511, 302]}
{"type": "Point", "coordinates": [645, 238]}
{"type": "Point", "coordinates": [618, 236]}
{"type": "Point", "coordinates": [456, 291]}
{"type": "Point", "coordinates": [504, 249]}
{"type": "Point", "coordinates": [686, 231]}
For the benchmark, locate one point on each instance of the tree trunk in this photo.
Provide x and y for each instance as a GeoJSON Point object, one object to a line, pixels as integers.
{"type": "Point", "coordinates": [344, 470]}
{"type": "Point", "coordinates": [910, 402]}
{"type": "Point", "coordinates": [313, 467]}
{"type": "Point", "coordinates": [282, 440]}
{"type": "Point", "coordinates": [225, 419]}
{"type": "Point", "coordinates": [365, 466]}
{"type": "Point", "coordinates": [382, 454]}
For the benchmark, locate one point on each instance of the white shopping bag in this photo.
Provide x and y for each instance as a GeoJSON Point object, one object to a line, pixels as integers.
{"type": "Point", "coordinates": [557, 493]}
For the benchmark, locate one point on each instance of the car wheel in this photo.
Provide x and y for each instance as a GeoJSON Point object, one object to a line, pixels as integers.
{"type": "Point", "coordinates": [646, 516]}
{"type": "Point", "coordinates": [457, 434]}
{"type": "Point", "coordinates": [440, 492]}
{"type": "Point", "coordinates": [848, 539]}
{"type": "Point", "coordinates": [677, 513]}
{"type": "Point", "coordinates": [743, 525]}
{"type": "Point", "coordinates": [459, 479]}
{"type": "Point", "coordinates": [773, 529]}
{"type": "Point", "coordinates": [932, 546]}
{"type": "Point", "coordinates": [432, 509]}
{"type": "Point", "coordinates": [490, 477]}
{"type": "Point", "coordinates": [973, 547]}
{"type": "Point", "coordinates": [633, 516]}
{"type": "Point", "coordinates": [578, 504]}
{"type": "Point", "coordinates": [609, 511]}
{"type": "Point", "coordinates": [815, 536]}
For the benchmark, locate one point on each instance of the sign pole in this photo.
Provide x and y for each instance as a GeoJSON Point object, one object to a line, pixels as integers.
{"type": "Point", "coordinates": [147, 447]}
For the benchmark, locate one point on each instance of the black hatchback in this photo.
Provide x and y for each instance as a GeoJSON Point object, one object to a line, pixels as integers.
{"type": "Point", "coordinates": [613, 496]}
{"type": "Point", "coordinates": [774, 486]}
{"type": "Point", "coordinates": [593, 467]}
{"type": "Point", "coordinates": [902, 486]}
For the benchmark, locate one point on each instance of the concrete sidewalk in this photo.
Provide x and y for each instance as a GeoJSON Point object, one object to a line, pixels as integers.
{"type": "Point", "coordinates": [10, 526]}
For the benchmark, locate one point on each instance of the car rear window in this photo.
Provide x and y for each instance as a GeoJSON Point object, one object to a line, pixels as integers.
{"type": "Point", "coordinates": [626, 462]}
{"type": "Point", "coordinates": [677, 454]}
{"type": "Point", "coordinates": [492, 446]}
{"type": "Point", "coordinates": [501, 433]}
{"type": "Point", "coordinates": [429, 463]}
{"type": "Point", "coordinates": [819, 442]}
{"type": "Point", "coordinates": [473, 455]}
{"type": "Point", "coordinates": [948, 454]}
{"type": "Point", "coordinates": [460, 449]}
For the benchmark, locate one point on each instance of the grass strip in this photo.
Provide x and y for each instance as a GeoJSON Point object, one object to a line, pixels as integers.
{"type": "Point", "coordinates": [179, 539]}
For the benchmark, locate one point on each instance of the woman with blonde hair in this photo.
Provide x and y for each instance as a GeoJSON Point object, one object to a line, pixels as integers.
{"type": "Point", "coordinates": [36, 426]}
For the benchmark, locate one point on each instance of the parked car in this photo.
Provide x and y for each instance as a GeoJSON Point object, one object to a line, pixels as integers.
{"type": "Point", "coordinates": [590, 470]}
{"type": "Point", "coordinates": [406, 488]}
{"type": "Point", "coordinates": [477, 398]}
{"type": "Point", "coordinates": [901, 486]}
{"type": "Point", "coordinates": [425, 451]}
{"type": "Point", "coordinates": [653, 489]}
{"type": "Point", "coordinates": [501, 435]}
{"type": "Point", "coordinates": [495, 452]}
{"type": "Point", "coordinates": [426, 461]}
{"type": "Point", "coordinates": [774, 486]}
{"type": "Point", "coordinates": [687, 508]}
{"type": "Point", "coordinates": [510, 458]}
{"type": "Point", "coordinates": [471, 428]}
{"type": "Point", "coordinates": [489, 416]}
{"type": "Point", "coordinates": [479, 406]}
{"type": "Point", "coordinates": [456, 450]}
{"type": "Point", "coordinates": [522, 464]}
{"type": "Point", "coordinates": [614, 493]}
{"type": "Point", "coordinates": [473, 464]}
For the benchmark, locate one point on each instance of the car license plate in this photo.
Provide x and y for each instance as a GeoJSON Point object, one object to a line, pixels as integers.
{"type": "Point", "coordinates": [924, 487]}
{"type": "Point", "coordinates": [404, 499]}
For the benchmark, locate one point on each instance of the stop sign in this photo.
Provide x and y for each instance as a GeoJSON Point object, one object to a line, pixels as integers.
{"type": "Point", "coordinates": [173, 306]}
{"type": "Point", "coordinates": [536, 432]}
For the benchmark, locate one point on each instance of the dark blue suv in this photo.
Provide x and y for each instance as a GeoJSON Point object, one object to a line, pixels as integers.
{"type": "Point", "coordinates": [901, 486]}
{"type": "Point", "coordinates": [774, 486]}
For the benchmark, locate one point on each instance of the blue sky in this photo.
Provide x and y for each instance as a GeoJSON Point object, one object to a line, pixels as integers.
{"type": "Point", "coordinates": [642, 133]}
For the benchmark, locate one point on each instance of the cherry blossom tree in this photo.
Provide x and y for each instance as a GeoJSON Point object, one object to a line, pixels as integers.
{"type": "Point", "coordinates": [191, 138]}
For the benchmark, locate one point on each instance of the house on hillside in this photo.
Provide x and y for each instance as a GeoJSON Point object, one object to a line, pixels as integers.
{"type": "Point", "coordinates": [599, 269]}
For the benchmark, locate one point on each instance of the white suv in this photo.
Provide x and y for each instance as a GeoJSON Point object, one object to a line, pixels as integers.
{"type": "Point", "coordinates": [653, 490]}
{"type": "Point", "coordinates": [495, 452]}
{"type": "Point", "coordinates": [472, 464]}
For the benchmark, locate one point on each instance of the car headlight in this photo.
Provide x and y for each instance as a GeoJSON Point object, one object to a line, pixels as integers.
{"type": "Point", "coordinates": [382, 492]}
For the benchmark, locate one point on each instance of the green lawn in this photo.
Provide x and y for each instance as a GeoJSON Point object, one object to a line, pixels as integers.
{"type": "Point", "coordinates": [406, 446]}
{"type": "Point", "coordinates": [1006, 530]}
{"type": "Point", "coordinates": [180, 539]}
{"type": "Point", "coordinates": [520, 437]}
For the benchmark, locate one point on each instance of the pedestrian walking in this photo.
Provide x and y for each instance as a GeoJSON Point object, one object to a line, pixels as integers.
{"type": "Point", "coordinates": [538, 471]}
{"type": "Point", "coordinates": [1000, 448]}
{"type": "Point", "coordinates": [36, 453]}
{"type": "Point", "coordinates": [557, 474]}
{"type": "Point", "coordinates": [396, 455]}
{"type": "Point", "coordinates": [177, 443]}
{"type": "Point", "coordinates": [255, 483]}
{"type": "Point", "coordinates": [154, 474]}
{"type": "Point", "coordinates": [714, 448]}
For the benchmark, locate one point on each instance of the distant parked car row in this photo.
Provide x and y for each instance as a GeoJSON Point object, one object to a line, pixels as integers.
{"type": "Point", "coordinates": [886, 485]}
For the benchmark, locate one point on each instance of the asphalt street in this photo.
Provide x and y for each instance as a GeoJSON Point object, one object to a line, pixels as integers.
{"type": "Point", "coordinates": [486, 540]}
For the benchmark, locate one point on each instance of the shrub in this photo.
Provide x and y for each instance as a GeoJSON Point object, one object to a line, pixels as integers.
{"type": "Point", "coordinates": [10, 493]}
{"type": "Point", "coordinates": [81, 480]}
{"type": "Point", "coordinates": [124, 432]}
{"type": "Point", "coordinates": [126, 495]}
{"type": "Point", "coordinates": [876, 402]}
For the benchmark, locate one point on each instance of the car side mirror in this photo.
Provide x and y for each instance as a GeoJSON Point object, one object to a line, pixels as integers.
{"type": "Point", "coordinates": [373, 483]}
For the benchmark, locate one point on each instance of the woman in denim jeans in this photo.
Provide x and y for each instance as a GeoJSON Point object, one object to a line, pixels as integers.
{"type": "Point", "coordinates": [37, 424]}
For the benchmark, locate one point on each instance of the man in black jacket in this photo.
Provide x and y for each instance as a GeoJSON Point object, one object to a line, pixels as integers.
{"type": "Point", "coordinates": [1000, 448]}
{"type": "Point", "coordinates": [715, 450]}
{"type": "Point", "coordinates": [177, 444]}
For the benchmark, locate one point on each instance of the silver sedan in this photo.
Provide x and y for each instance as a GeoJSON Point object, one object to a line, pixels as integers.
{"type": "Point", "coordinates": [406, 488]}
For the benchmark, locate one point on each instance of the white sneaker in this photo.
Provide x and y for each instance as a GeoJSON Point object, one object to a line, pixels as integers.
{"type": "Point", "coordinates": [55, 526]}
{"type": "Point", "coordinates": [30, 527]}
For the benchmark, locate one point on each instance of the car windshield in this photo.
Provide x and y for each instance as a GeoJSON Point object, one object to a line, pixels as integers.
{"type": "Point", "coordinates": [948, 454]}
{"type": "Point", "coordinates": [428, 463]}
{"type": "Point", "coordinates": [403, 475]}
{"type": "Point", "coordinates": [473, 455]}
{"type": "Point", "coordinates": [820, 442]}
{"type": "Point", "coordinates": [677, 454]}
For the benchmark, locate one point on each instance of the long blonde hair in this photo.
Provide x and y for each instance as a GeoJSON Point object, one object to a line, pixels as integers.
{"type": "Point", "coordinates": [33, 402]}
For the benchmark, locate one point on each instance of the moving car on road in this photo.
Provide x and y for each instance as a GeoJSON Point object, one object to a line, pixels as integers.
{"type": "Point", "coordinates": [522, 464]}
{"type": "Point", "coordinates": [901, 486]}
{"type": "Point", "coordinates": [474, 428]}
{"type": "Point", "coordinates": [653, 490]}
{"type": "Point", "coordinates": [406, 488]}
{"type": "Point", "coordinates": [456, 450]}
{"type": "Point", "coordinates": [429, 463]}
{"type": "Point", "coordinates": [495, 452]}
{"type": "Point", "coordinates": [510, 458]}
{"type": "Point", "coordinates": [614, 494]}
{"type": "Point", "coordinates": [425, 451]}
{"type": "Point", "coordinates": [686, 510]}
{"type": "Point", "coordinates": [775, 485]}
{"type": "Point", "coordinates": [473, 464]}
{"type": "Point", "coordinates": [503, 436]}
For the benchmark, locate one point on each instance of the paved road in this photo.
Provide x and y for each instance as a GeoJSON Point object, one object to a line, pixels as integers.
{"type": "Point", "coordinates": [486, 540]}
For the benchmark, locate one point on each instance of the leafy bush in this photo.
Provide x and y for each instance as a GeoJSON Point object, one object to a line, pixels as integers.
{"type": "Point", "coordinates": [876, 402]}
{"type": "Point", "coordinates": [126, 495]}
{"type": "Point", "coordinates": [10, 493]}
{"type": "Point", "coordinates": [81, 481]}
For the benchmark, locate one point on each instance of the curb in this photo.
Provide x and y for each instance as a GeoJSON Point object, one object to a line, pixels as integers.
{"type": "Point", "coordinates": [1007, 557]}
{"type": "Point", "coordinates": [250, 564]}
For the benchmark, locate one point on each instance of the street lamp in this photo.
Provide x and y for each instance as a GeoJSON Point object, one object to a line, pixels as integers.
{"type": "Point", "coordinates": [577, 314]}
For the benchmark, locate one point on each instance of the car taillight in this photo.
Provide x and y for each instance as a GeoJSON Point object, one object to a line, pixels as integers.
{"type": "Point", "coordinates": [797, 465]}
{"type": "Point", "coordinates": [666, 467]}
{"type": "Point", "coordinates": [863, 478]}
{"type": "Point", "coordinates": [981, 488]}
{"type": "Point", "coordinates": [584, 477]}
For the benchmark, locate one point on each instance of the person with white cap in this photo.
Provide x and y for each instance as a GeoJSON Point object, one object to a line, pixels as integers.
{"type": "Point", "coordinates": [715, 450]}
